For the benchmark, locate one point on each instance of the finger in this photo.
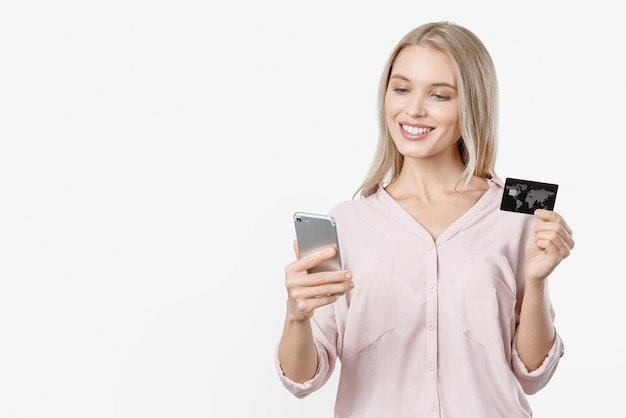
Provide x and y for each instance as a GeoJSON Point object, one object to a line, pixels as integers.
{"type": "Point", "coordinates": [319, 285]}
{"type": "Point", "coordinates": [296, 250]}
{"type": "Point", "coordinates": [313, 259]}
{"type": "Point", "coordinates": [310, 261]}
{"type": "Point", "coordinates": [553, 243]}
{"type": "Point", "coordinates": [560, 229]}
{"type": "Point", "coordinates": [320, 279]}
{"type": "Point", "coordinates": [304, 307]}
{"type": "Point", "coordinates": [552, 216]}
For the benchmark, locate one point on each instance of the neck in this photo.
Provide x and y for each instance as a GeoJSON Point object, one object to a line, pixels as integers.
{"type": "Point", "coordinates": [428, 180]}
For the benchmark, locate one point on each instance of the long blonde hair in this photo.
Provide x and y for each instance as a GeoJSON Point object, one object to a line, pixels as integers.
{"type": "Point", "coordinates": [478, 96]}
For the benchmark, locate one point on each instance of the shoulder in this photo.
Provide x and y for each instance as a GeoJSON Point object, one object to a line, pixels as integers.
{"type": "Point", "coordinates": [358, 213]}
{"type": "Point", "coordinates": [355, 206]}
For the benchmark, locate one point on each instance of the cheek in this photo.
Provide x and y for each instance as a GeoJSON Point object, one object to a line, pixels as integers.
{"type": "Point", "coordinates": [449, 116]}
{"type": "Point", "coordinates": [391, 110]}
{"type": "Point", "coordinates": [391, 121]}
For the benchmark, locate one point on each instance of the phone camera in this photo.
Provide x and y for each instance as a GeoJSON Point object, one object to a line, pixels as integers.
{"type": "Point", "coordinates": [298, 219]}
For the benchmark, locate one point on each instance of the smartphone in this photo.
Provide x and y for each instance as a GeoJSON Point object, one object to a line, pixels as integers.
{"type": "Point", "coordinates": [315, 232]}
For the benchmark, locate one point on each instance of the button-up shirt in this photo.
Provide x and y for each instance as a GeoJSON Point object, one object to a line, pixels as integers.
{"type": "Point", "coordinates": [429, 328]}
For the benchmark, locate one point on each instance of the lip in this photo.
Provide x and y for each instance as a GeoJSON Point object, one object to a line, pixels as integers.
{"type": "Point", "coordinates": [414, 137]}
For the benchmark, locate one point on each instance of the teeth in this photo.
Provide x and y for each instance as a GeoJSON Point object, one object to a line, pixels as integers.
{"type": "Point", "coordinates": [414, 131]}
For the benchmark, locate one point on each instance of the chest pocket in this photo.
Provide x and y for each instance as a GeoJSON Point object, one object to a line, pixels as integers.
{"type": "Point", "coordinates": [371, 312]}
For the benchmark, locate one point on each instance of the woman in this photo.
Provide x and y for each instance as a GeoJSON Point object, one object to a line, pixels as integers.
{"type": "Point", "coordinates": [446, 311]}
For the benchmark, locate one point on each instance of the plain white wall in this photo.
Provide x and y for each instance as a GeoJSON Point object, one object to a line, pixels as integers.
{"type": "Point", "coordinates": [152, 154]}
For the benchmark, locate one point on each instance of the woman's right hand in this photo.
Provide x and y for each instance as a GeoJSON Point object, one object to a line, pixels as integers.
{"type": "Point", "coordinates": [308, 291]}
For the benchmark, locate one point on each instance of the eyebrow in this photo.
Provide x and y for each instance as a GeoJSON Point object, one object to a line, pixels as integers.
{"type": "Point", "coordinates": [439, 84]}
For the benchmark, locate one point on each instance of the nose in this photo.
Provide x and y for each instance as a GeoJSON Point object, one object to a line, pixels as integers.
{"type": "Point", "coordinates": [415, 108]}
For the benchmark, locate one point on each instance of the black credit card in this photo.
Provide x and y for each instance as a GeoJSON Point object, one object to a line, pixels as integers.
{"type": "Point", "coordinates": [525, 196]}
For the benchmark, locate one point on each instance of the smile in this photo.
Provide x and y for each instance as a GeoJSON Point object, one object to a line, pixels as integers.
{"type": "Point", "coordinates": [413, 130]}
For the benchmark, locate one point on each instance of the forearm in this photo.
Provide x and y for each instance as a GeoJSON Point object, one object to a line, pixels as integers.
{"type": "Point", "coordinates": [536, 332]}
{"type": "Point", "coordinates": [296, 351]}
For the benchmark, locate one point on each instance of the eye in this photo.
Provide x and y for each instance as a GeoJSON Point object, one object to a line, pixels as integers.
{"type": "Point", "coordinates": [441, 97]}
{"type": "Point", "coordinates": [400, 90]}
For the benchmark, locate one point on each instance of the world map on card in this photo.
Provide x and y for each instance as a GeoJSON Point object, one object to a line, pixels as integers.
{"type": "Point", "coordinates": [526, 196]}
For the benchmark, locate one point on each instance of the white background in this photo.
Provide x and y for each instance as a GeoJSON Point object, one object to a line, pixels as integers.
{"type": "Point", "coordinates": [152, 154]}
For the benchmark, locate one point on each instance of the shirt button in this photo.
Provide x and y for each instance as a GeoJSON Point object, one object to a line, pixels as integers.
{"type": "Point", "coordinates": [431, 366]}
{"type": "Point", "coordinates": [431, 285]}
{"type": "Point", "coordinates": [433, 407]}
{"type": "Point", "coordinates": [431, 326]}
{"type": "Point", "coordinates": [431, 246]}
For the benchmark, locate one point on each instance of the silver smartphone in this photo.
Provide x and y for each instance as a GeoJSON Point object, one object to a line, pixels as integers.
{"type": "Point", "coordinates": [315, 232]}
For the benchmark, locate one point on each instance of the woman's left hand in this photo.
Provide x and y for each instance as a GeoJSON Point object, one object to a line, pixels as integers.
{"type": "Point", "coordinates": [550, 243]}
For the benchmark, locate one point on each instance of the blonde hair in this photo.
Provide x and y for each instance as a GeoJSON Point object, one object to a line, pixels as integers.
{"type": "Point", "coordinates": [478, 96]}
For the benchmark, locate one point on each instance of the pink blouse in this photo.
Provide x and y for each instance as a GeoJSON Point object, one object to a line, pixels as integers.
{"type": "Point", "coordinates": [429, 328]}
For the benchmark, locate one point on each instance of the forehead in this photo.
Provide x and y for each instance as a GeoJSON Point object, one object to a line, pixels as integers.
{"type": "Point", "coordinates": [420, 63]}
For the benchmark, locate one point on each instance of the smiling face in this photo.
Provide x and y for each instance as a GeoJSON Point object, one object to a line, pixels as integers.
{"type": "Point", "coordinates": [422, 105]}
